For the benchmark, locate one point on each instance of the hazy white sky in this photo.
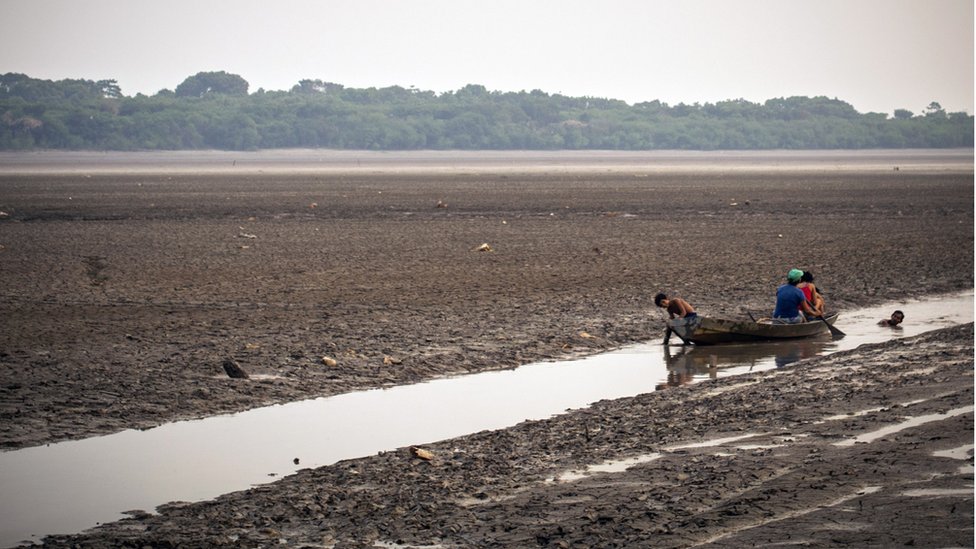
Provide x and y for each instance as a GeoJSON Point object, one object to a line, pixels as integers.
{"type": "Point", "coordinates": [878, 55]}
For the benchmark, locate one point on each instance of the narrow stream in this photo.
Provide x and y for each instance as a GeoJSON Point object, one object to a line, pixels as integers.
{"type": "Point", "coordinates": [71, 486]}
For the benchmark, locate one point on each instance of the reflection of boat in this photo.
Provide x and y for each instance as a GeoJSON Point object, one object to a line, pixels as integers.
{"type": "Point", "coordinates": [708, 331]}
{"type": "Point", "coordinates": [687, 364]}
{"type": "Point", "coordinates": [699, 359]}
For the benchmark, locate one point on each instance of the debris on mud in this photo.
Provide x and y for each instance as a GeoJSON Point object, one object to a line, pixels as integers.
{"type": "Point", "coordinates": [234, 370]}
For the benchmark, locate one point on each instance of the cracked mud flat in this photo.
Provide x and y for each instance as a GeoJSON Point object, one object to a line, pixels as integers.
{"type": "Point", "coordinates": [123, 293]}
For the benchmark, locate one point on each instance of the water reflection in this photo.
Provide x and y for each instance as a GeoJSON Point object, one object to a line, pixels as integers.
{"type": "Point", "coordinates": [689, 363]}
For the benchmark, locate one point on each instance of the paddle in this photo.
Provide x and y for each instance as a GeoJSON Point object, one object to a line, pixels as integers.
{"type": "Point", "coordinates": [833, 331]}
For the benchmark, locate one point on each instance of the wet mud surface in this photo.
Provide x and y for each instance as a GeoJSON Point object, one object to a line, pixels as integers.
{"type": "Point", "coordinates": [781, 476]}
{"type": "Point", "coordinates": [124, 294]}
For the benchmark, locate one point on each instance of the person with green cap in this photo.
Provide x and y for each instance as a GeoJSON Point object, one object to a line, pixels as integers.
{"type": "Point", "coordinates": [790, 301]}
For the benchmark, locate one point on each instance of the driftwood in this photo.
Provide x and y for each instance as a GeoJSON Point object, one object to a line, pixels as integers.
{"type": "Point", "coordinates": [420, 453]}
{"type": "Point", "coordinates": [234, 370]}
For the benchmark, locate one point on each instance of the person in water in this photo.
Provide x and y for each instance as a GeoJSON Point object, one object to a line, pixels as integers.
{"type": "Point", "coordinates": [791, 304]}
{"type": "Point", "coordinates": [676, 307]}
{"type": "Point", "coordinates": [896, 318]}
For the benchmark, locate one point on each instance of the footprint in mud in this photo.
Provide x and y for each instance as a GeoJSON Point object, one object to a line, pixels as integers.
{"type": "Point", "coordinates": [95, 266]}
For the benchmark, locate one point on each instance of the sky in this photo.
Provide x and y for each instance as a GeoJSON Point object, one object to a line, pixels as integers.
{"type": "Point", "coordinates": [877, 55]}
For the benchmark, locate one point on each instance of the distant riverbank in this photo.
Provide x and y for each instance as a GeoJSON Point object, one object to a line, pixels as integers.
{"type": "Point", "coordinates": [328, 160]}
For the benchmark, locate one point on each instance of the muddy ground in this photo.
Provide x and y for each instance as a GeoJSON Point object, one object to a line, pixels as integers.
{"type": "Point", "coordinates": [123, 292]}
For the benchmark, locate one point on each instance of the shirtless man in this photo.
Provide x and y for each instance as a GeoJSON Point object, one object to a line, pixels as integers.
{"type": "Point", "coordinates": [896, 318]}
{"type": "Point", "coordinates": [675, 306]}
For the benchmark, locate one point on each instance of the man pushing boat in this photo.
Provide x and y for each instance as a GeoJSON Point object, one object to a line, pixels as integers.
{"type": "Point", "coordinates": [676, 308]}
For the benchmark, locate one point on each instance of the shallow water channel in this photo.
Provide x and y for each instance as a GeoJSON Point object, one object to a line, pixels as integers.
{"type": "Point", "coordinates": [70, 486]}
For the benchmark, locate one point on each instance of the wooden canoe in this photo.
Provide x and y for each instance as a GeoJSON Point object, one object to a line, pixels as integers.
{"type": "Point", "coordinates": [709, 331]}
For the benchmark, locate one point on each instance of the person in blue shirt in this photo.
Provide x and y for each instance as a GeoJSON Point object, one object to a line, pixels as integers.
{"type": "Point", "coordinates": [790, 301]}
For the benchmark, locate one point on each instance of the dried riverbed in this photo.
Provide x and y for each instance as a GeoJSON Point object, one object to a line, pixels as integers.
{"type": "Point", "coordinates": [789, 456]}
{"type": "Point", "coordinates": [123, 293]}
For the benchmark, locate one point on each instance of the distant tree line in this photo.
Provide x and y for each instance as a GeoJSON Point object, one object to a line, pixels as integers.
{"type": "Point", "coordinates": [213, 110]}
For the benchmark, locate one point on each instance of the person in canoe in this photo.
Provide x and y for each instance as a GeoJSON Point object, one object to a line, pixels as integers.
{"type": "Point", "coordinates": [675, 306]}
{"type": "Point", "coordinates": [811, 292]}
{"type": "Point", "coordinates": [791, 304]}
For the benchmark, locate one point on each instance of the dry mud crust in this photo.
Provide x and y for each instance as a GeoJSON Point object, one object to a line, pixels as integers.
{"type": "Point", "coordinates": [122, 294]}
{"type": "Point", "coordinates": [752, 460]}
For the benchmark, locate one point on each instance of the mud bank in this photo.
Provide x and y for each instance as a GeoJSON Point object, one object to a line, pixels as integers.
{"type": "Point", "coordinates": [866, 448]}
{"type": "Point", "coordinates": [122, 294]}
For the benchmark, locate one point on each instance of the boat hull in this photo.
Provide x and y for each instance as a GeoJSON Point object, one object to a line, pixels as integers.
{"type": "Point", "coordinates": [710, 331]}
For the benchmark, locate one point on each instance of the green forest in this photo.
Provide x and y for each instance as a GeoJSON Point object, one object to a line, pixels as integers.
{"type": "Point", "coordinates": [215, 110]}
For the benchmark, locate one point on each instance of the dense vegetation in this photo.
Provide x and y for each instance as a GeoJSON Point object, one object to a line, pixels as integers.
{"type": "Point", "coordinates": [213, 110]}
